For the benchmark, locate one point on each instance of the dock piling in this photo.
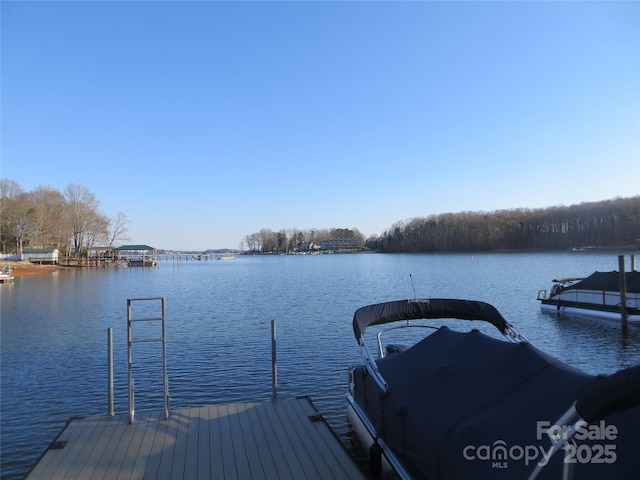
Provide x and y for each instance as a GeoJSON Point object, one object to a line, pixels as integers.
{"type": "Point", "coordinates": [274, 365]}
{"type": "Point", "coordinates": [623, 293]}
{"type": "Point", "coordinates": [110, 370]}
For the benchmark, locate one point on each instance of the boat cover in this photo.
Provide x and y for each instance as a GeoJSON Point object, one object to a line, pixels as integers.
{"type": "Point", "coordinates": [608, 281]}
{"type": "Point", "coordinates": [464, 405]}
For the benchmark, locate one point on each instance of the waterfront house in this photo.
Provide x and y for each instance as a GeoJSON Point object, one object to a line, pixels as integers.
{"type": "Point", "coordinates": [339, 244]}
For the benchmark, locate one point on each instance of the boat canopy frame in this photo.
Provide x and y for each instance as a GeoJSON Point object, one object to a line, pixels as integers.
{"type": "Point", "coordinates": [431, 308]}
{"type": "Point", "coordinates": [427, 309]}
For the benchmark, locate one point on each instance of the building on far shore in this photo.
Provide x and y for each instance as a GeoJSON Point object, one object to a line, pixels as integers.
{"type": "Point", "coordinates": [40, 255]}
{"type": "Point", "coordinates": [339, 244]}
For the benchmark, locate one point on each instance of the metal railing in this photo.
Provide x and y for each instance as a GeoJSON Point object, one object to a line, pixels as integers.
{"type": "Point", "coordinates": [130, 341]}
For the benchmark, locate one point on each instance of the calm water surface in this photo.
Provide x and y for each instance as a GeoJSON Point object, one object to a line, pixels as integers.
{"type": "Point", "coordinates": [54, 341]}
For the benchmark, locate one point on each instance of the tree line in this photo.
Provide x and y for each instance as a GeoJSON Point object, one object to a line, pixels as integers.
{"type": "Point", "coordinates": [295, 240]}
{"type": "Point", "coordinates": [613, 222]}
{"type": "Point", "coordinates": [70, 221]}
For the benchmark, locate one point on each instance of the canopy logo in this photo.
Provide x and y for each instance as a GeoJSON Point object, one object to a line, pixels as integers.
{"type": "Point", "coordinates": [500, 453]}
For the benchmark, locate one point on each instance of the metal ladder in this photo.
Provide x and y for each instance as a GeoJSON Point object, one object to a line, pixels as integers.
{"type": "Point", "coordinates": [131, 341]}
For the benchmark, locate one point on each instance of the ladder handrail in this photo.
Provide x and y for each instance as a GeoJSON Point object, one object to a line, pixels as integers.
{"type": "Point", "coordinates": [131, 341]}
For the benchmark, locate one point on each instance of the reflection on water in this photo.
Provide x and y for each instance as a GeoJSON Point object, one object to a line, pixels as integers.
{"type": "Point", "coordinates": [53, 331]}
{"type": "Point", "coordinates": [609, 347]}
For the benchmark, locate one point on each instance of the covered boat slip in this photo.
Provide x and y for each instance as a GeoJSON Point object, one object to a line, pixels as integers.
{"type": "Point", "coordinates": [284, 438]}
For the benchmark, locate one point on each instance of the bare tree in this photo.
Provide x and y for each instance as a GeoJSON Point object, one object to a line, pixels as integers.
{"type": "Point", "coordinates": [97, 229]}
{"type": "Point", "coordinates": [118, 229]}
{"type": "Point", "coordinates": [17, 214]}
{"type": "Point", "coordinates": [253, 242]}
{"type": "Point", "coordinates": [268, 239]}
{"type": "Point", "coordinates": [9, 188]}
{"type": "Point", "coordinates": [19, 218]}
{"type": "Point", "coordinates": [82, 206]}
{"type": "Point", "coordinates": [53, 226]}
{"type": "Point", "coordinates": [10, 192]}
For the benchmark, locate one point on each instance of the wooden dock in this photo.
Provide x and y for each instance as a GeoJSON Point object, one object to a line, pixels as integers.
{"type": "Point", "coordinates": [280, 439]}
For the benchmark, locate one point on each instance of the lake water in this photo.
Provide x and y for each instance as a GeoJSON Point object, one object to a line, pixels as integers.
{"type": "Point", "coordinates": [54, 330]}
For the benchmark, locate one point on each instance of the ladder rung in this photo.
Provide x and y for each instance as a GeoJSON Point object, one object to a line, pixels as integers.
{"type": "Point", "coordinates": [146, 319]}
{"type": "Point", "coordinates": [143, 340]}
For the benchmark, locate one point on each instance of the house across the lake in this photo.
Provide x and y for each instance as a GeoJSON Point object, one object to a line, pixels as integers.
{"type": "Point", "coordinates": [40, 255]}
{"type": "Point", "coordinates": [339, 244]}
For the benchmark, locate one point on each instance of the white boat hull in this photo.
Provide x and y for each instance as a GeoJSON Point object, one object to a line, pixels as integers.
{"type": "Point", "coordinates": [596, 296]}
{"type": "Point", "coordinates": [553, 309]}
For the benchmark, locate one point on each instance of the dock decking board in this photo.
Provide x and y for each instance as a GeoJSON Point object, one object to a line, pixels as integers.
{"type": "Point", "coordinates": [281, 439]}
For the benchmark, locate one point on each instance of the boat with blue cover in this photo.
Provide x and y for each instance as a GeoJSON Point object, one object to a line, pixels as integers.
{"type": "Point", "coordinates": [462, 403]}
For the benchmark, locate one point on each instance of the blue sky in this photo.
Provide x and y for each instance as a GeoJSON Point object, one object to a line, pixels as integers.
{"type": "Point", "coordinates": [206, 121]}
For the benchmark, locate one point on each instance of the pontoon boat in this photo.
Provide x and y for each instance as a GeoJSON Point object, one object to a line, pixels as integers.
{"type": "Point", "coordinates": [469, 405]}
{"type": "Point", "coordinates": [597, 296]}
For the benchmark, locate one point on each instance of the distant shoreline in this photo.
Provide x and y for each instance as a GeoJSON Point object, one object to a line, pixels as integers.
{"type": "Point", "coordinates": [27, 269]}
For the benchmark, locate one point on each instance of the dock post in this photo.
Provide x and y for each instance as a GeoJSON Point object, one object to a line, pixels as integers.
{"type": "Point", "coordinates": [165, 375]}
{"type": "Point", "coordinates": [623, 293]}
{"type": "Point", "coordinates": [274, 365]}
{"type": "Point", "coordinates": [633, 263]}
{"type": "Point", "coordinates": [110, 369]}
